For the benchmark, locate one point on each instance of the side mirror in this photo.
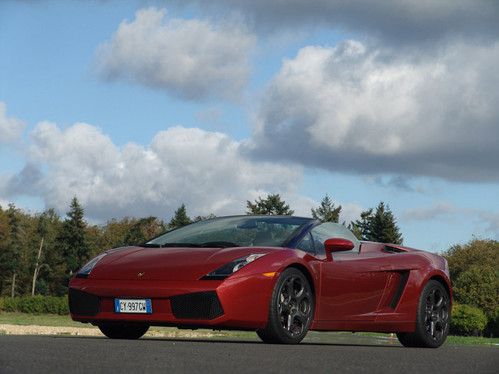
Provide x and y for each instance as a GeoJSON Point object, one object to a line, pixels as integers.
{"type": "Point", "coordinates": [337, 245]}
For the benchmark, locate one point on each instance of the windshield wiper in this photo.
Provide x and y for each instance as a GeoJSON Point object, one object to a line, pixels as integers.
{"type": "Point", "coordinates": [194, 245]}
{"type": "Point", "coordinates": [215, 244]}
{"type": "Point", "coordinates": [219, 244]}
{"type": "Point", "coordinates": [155, 245]}
{"type": "Point", "coordinates": [150, 245]}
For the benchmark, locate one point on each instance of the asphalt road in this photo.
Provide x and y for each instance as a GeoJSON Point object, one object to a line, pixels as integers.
{"type": "Point", "coordinates": [73, 354]}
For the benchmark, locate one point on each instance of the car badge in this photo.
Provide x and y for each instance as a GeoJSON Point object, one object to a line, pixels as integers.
{"type": "Point", "coordinates": [140, 273]}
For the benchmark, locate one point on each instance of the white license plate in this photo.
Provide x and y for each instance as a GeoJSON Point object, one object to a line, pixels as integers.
{"type": "Point", "coordinates": [133, 306]}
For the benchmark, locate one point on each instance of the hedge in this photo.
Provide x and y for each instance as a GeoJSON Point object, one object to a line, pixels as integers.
{"type": "Point", "coordinates": [35, 304]}
{"type": "Point", "coordinates": [467, 320]}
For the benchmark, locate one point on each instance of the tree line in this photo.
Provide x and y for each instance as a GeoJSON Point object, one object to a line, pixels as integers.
{"type": "Point", "coordinates": [40, 252]}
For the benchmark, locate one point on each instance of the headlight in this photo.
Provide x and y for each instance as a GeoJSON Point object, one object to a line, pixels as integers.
{"type": "Point", "coordinates": [230, 268]}
{"type": "Point", "coordinates": [85, 270]}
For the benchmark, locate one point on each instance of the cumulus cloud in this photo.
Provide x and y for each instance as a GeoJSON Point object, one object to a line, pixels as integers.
{"type": "Point", "coordinates": [204, 170]}
{"type": "Point", "coordinates": [192, 59]}
{"type": "Point", "coordinates": [359, 108]}
{"type": "Point", "coordinates": [11, 128]}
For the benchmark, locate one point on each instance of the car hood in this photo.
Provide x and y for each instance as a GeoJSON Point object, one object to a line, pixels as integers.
{"type": "Point", "coordinates": [172, 264]}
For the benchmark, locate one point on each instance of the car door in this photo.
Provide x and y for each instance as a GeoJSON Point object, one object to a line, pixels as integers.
{"type": "Point", "coordinates": [352, 283]}
{"type": "Point", "coordinates": [351, 287]}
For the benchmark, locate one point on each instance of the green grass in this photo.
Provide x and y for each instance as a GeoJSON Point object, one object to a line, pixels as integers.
{"type": "Point", "coordinates": [38, 319]}
{"type": "Point", "coordinates": [65, 321]}
{"type": "Point", "coordinates": [471, 340]}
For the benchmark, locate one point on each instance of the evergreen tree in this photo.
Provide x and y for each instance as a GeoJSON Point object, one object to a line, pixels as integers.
{"type": "Point", "coordinates": [71, 241]}
{"type": "Point", "coordinates": [272, 205]}
{"type": "Point", "coordinates": [362, 228]}
{"type": "Point", "coordinates": [327, 212]}
{"type": "Point", "coordinates": [180, 218]}
{"type": "Point", "coordinates": [379, 226]}
{"type": "Point", "coordinates": [383, 226]}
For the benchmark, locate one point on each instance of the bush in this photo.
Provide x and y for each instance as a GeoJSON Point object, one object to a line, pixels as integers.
{"type": "Point", "coordinates": [467, 320]}
{"type": "Point", "coordinates": [478, 286]}
{"type": "Point", "coordinates": [10, 304]}
{"type": "Point", "coordinates": [35, 305]}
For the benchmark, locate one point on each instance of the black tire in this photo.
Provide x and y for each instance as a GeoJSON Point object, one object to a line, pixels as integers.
{"type": "Point", "coordinates": [123, 331]}
{"type": "Point", "coordinates": [291, 309]}
{"type": "Point", "coordinates": [432, 318]}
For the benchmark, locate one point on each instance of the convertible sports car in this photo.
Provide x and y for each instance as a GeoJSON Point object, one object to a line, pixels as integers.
{"type": "Point", "coordinates": [277, 275]}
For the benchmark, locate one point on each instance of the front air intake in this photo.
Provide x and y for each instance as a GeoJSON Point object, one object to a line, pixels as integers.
{"type": "Point", "coordinates": [199, 305]}
{"type": "Point", "coordinates": [83, 303]}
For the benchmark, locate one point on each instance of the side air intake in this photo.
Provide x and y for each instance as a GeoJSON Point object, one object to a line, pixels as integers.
{"type": "Point", "coordinates": [83, 303]}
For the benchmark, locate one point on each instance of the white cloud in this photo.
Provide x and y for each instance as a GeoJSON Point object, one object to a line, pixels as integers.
{"type": "Point", "coordinates": [204, 170]}
{"type": "Point", "coordinates": [358, 108]}
{"type": "Point", "coordinates": [11, 128]}
{"type": "Point", "coordinates": [190, 58]}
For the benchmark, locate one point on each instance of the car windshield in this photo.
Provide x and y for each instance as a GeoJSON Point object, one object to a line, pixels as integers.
{"type": "Point", "coordinates": [232, 232]}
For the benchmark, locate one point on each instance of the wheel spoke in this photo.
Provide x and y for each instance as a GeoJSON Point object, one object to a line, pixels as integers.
{"type": "Point", "coordinates": [289, 288]}
{"type": "Point", "coordinates": [431, 299]}
{"type": "Point", "coordinates": [440, 302]}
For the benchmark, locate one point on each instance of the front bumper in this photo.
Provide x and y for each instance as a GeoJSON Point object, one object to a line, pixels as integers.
{"type": "Point", "coordinates": [237, 302]}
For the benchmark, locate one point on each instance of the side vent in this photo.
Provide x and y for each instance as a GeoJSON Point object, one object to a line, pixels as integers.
{"type": "Point", "coordinates": [400, 289]}
{"type": "Point", "coordinates": [393, 249]}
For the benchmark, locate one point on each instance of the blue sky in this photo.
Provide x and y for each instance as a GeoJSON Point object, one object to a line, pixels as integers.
{"type": "Point", "coordinates": [138, 106]}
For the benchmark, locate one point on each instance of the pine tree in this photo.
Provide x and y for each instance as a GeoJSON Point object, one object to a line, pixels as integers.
{"type": "Point", "coordinates": [362, 228]}
{"type": "Point", "coordinates": [272, 205]}
{"type": "Point", "coordinates": [383, 226]}
{"type": "Point", "coordinates": [180, 218]}
{"type": "Point", "coordinates": [71, 241]}
{"type": "Point", "coordinates": [327, 212]}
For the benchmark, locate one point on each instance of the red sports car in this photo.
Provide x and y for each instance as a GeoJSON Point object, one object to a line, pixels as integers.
{"type": "Point", "coordinates": [277, 275]}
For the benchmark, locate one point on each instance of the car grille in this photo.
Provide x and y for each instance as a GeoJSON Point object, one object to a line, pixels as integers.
{"type": "Point", "coordinates": [200, 305]}
{"type": "Point", "coordinates": [83, 304]}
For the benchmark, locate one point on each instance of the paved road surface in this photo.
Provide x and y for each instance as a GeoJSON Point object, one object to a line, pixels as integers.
{"type": "Point", "coordinates": [73, 354]}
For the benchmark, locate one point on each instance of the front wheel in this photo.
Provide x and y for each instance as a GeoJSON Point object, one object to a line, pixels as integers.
{"type": "Point", "coordinates": [291, 309]}
{"type": "Point", "coordinates": [123, 331]}
{"type": "Point", "coordinates": [432, 318]}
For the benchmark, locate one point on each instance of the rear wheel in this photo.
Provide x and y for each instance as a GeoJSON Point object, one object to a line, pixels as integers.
{"type": "Point", "coordinates": [123, 331]}
{"type": "Point", "coordinates": [291, 309]}
{"type": "Point", "coordinates": [432, 318]}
